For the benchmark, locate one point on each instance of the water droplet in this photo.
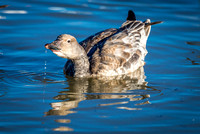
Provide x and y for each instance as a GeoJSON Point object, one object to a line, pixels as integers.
{"type": "Point", "coordinates": [45, 67]}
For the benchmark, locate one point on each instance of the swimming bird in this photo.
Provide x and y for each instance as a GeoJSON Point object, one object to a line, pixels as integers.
{"type": "Point", "coordinates": [114, 51]}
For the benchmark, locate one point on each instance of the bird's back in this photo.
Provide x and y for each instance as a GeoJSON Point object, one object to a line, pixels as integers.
{"type": "Point", "coordinates": [122, 52]}
{"type": "Point", "coordinates": [116, 51]}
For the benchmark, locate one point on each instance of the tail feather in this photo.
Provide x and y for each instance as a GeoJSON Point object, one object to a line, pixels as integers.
{"type": "Point", "coordinates": [131, 15]}
{"type": "Point", "coordinates": [153, 23]}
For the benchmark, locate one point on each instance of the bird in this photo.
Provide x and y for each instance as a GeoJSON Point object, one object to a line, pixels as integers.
{"type": "Point", "coordinates": [111, 52]}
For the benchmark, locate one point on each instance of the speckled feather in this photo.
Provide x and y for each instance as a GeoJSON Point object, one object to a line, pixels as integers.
{"type": "Point", "coordinates": [115, 51]}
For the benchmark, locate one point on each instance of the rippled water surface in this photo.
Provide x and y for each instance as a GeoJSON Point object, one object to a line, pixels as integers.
{"type": "Point", "coordinates": [36, 97]}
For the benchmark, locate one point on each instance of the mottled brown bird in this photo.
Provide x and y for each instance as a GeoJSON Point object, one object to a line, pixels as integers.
{"type": "Point", "coordinates": [107, 53]}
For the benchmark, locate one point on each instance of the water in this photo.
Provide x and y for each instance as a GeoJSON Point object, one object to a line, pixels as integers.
{"type": "Point", "coordinates": [36, 97]}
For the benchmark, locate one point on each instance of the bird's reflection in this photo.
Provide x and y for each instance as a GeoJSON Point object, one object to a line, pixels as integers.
{"type": "Point", "coordinates": [132, 87]}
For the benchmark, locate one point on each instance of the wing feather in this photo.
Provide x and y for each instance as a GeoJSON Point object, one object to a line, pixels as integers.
{"type": "Point", "coordinates": [121, 51]}
{"type": "Point", "coordinates": [115, 51]}
{"type": "Point", "coordinates": [89, 43]}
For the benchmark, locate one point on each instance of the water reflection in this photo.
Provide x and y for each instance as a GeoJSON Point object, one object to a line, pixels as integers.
{"type": "Point", "coordinates": [29, 84]}
{"type": "Point", "coordinates": [125, 89]}
{"type": "Point", "coordinates": [194, 58]}
{"type": "Point", "coordinates": [65, 10]}
{"type": "Point", "coordinates": [196, 43]}
{"type": "Point", "coordinates": [14, 12]}
{"type": "Point", "coordinates": [3, 6]}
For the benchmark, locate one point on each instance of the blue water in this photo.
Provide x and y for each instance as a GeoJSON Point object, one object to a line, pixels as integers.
{"type": "Point", "coordinates": [36, 97]}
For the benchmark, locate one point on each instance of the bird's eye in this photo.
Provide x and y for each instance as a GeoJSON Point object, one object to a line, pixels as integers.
{"type": "Point", "coordinates": [68, 40]}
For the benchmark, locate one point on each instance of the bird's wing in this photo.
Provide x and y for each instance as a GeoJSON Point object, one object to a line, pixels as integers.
{"type": "Point", "coordinates": [120, 51]}
{"type": "Point", "coordinates": [88, 43]}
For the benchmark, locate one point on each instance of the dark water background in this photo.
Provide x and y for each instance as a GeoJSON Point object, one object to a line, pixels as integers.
{"type": "Point", "coordinates": [36, 97]}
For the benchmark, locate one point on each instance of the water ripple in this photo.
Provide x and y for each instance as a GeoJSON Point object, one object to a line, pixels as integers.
{"type": "Point", "coordinates": [14, 12]}
{"type": "Point", "coordinates": [35, 93]}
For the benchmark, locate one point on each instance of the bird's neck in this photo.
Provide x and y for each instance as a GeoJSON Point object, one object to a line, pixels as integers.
{"type": "Point", "coordinates": [81, 66]}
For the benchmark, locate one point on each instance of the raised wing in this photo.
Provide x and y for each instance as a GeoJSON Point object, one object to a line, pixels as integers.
{"type": "Point", "coordinates": [88, 43]}
{"type": "Point", "coordinates": [122, 52]}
